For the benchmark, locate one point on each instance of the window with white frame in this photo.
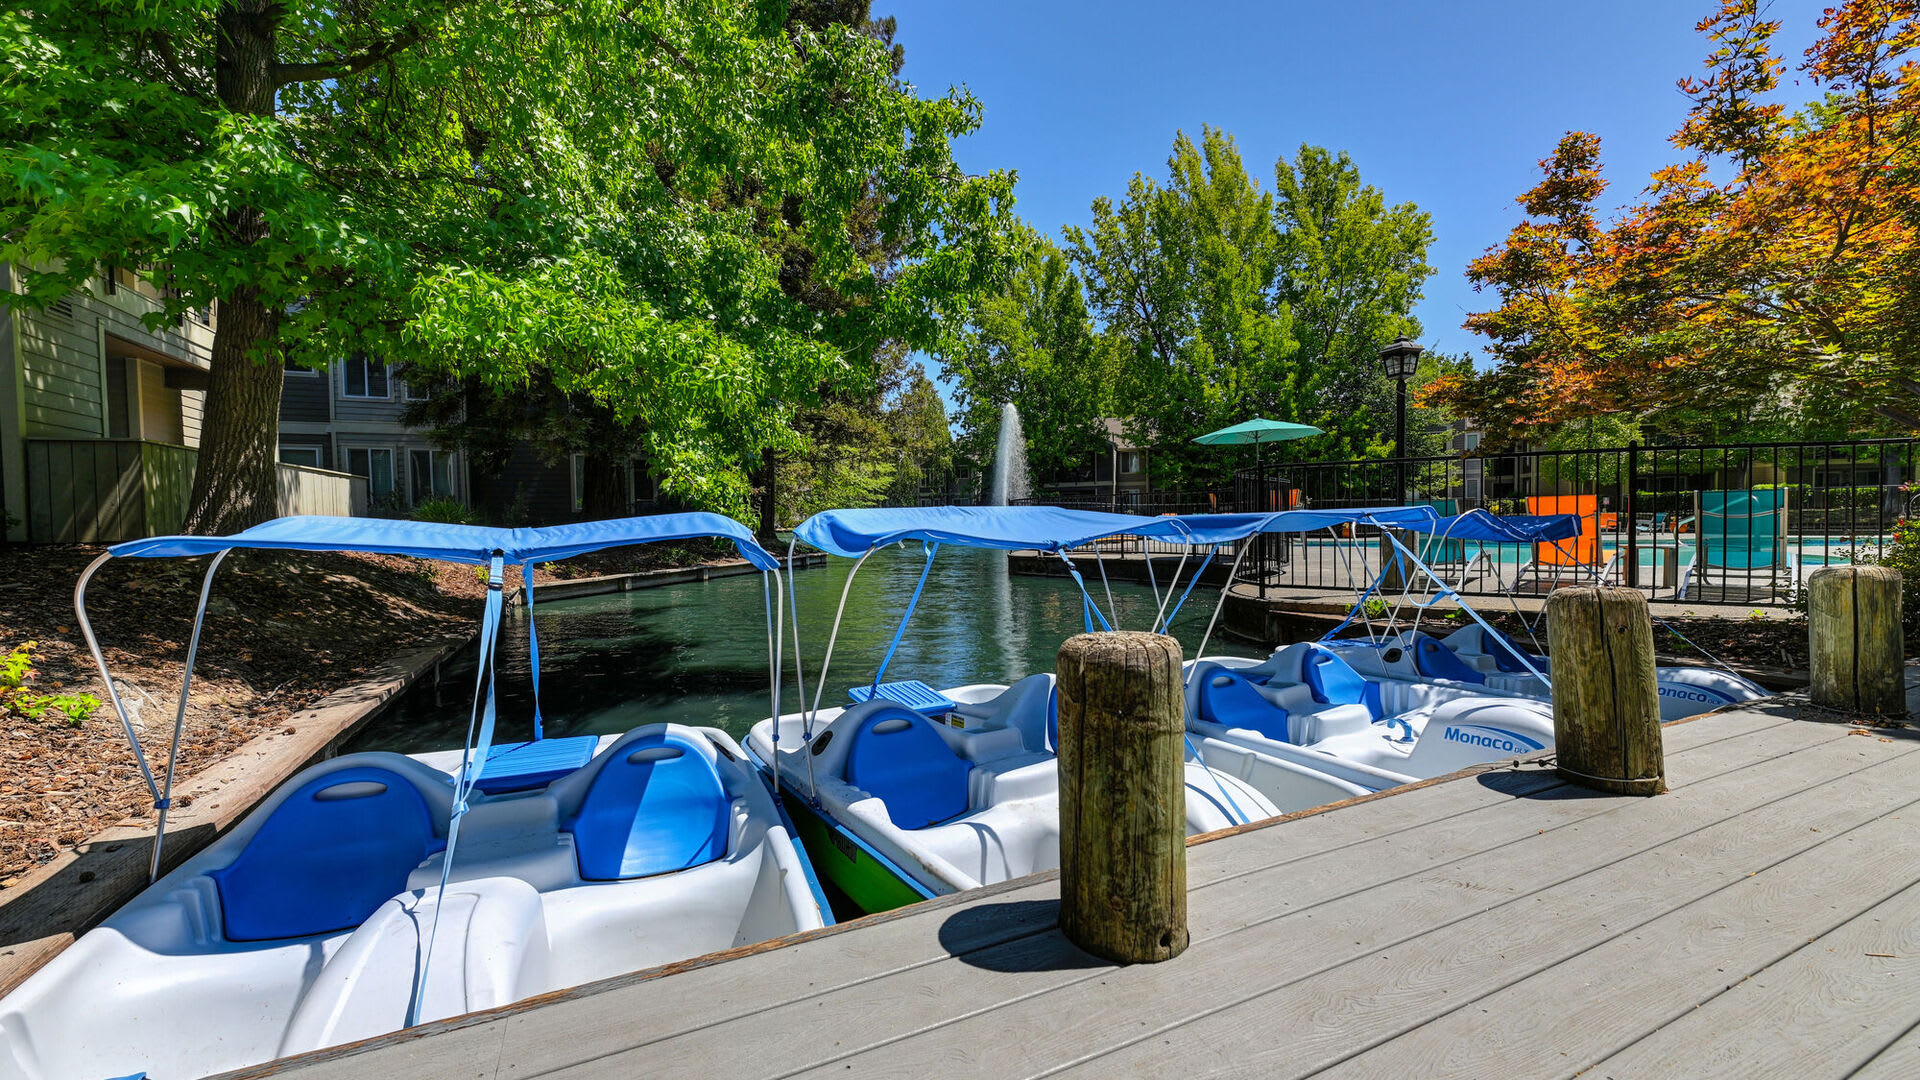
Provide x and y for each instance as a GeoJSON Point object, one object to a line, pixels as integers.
{"type": "Point", "coordinates": [376, 464]}
{"type": "Point", "coordinates": [364, 377]}
{"type": "Point", "coordinates": [1129, 461]}
{"type": "Point", "coordinates": [641, 485]}
{"type": "Point", "coordinates": [301, 455]}
{"type": "Point", "coordinates": [417, 389]}
{"type": "Point", "coordinates": [431, 474]}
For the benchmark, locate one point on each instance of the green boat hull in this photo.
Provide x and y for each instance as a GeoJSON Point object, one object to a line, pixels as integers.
{"type": "Point", "coordinates": [865, 880]}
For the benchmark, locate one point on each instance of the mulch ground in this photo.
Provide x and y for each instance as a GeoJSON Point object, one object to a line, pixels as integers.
{"type": "Point", "coordinates": [282, 631]}
{"type": "Point", "coordinates": [1771, 644]}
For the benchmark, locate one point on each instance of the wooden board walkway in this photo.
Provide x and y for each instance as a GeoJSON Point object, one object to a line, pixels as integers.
{"type": "Point", "coordinates": [1762, 919]}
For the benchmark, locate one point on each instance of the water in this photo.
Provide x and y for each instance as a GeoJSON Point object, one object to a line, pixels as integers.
{"type": "Point", "coordinates": [1009, 460]}
{"type": "Point", "coordinates": [697, 653]}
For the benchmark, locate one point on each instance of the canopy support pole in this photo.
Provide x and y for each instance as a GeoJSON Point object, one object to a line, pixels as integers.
{"type": "Point", "coordinates": [165, 802]}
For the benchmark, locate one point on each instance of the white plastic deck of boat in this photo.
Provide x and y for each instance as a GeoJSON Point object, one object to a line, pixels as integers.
{"type": "Point", "coordinates": [1761, 919]}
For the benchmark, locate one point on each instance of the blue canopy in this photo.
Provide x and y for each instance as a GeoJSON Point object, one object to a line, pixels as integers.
{"type": "Point", "coordinates": [457, 543]}
{"type": "Point", "coordinates": [852, 533]}
{"type": "Point", "coordinates": [1224, 528]}
{"type": "Point", "coordinates": [1504, 529]}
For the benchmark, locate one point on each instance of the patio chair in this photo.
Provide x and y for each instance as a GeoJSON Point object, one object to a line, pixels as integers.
{"type": "Point", "coordinates": [1740, 541]}
{"type": "Point", "coordinates": [1570, 561]}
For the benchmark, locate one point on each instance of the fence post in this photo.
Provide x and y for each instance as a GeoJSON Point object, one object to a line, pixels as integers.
{"type": "Point", "coordinates": [1856, 659]}
{"type": "Point", "coordinates": [1606, 693]}
{"type": "Point", "coordinates": [1123, 820]}
{"type": "Point", "coordinates": [1632, 510]}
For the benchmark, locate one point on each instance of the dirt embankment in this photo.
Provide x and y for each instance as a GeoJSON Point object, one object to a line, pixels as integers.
{"type": "Point", "coordinates": [282, 631]}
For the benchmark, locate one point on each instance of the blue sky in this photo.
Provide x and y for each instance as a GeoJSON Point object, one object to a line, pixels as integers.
{"type": "Point", "coordinates": [1445, 103]}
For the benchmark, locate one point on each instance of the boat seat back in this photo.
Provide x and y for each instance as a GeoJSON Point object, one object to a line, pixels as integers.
{"type": "Point", "coordinates": [899, 759]}
{"type": "Point", "coordinates": [326, 857]}
{"type": "Point", "coordinates": [1053, 719]}
{"type": "Point", "coordinates": [1432, 659]}
{"type": "Point", "coordinates": [654, 805]}
{"type": "Point", "coordinates": [1229, 699]}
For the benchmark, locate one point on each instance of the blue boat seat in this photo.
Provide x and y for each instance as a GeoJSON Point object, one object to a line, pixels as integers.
{"type": "Point", "coordinates": [899, 759]}
{"type": "Point", "coordinates": [1432, 659]}
{"type": "Point", "coordinates": [1053, 719]}
{"type": "Point", "coordinates": [1227, 698]}
{"type": "Point", "coordinates": [327, 857]}
{"type": "Point", "coordinates": [656, 806]}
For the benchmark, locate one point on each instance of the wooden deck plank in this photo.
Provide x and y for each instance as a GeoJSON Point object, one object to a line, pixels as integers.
{"type": "Point", "coordinates": [1486, 996]}
{"type": "Point", "coordinates": [1246, 952]}
{"type": "Point", "coordinates": [1834, 1001]}
{"type": "Point", "coordinates": [1899, 1061]}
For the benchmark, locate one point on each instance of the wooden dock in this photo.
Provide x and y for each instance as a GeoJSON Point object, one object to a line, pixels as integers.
{"type": "Point", "coordinates": [1761, 919]}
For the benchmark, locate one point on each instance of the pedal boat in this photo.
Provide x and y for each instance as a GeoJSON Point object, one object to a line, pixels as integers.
{"type": "Point", "coordinates": [375, 891]}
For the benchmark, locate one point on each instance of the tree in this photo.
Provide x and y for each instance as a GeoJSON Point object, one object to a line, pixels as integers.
{"type": "Point", "coordinates": [1350, 271]}
{"type": "Point", "coordinates": [1787, 294]}
{"type": "Point", "coordinates": [599, 196]}
{"type": "Point", "coordinates": [1180, 278]}
{"type": "Point", "coordinates": [1031, 344]}
{"type": "Point", "coordinates": [1223, 302]}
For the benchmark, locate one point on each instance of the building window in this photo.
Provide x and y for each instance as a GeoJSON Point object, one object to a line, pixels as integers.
{"type": "Point", "coordinates": [295, 369]}
{"type": "Point", "coordinates": [1129, 461]}
{"type": "Point", "coordinates": [376, 464]}
{"type": "Point", "coordinates": [301, 455]}
{"type": "Point", "coordinates": [431, 472]}
{"type": "Point", "coordinates": [578, 469]}
{"type": "Point", "coordinates": [418, 391]}
{"type": "Point", "coordinates": [641, 485]}
{"type": "Point", "coordinates": [1471, 440]}
{"type": "Point", "coordinates": [365, 378]}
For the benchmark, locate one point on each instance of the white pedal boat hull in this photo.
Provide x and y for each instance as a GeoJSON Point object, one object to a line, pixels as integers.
{"type": "Point", "coordinates": [1251, 714]}
{"type": "Point", "coordinates": [1000, 817]}
{"type": "Point", "coordinates": [163, 986]}
{"type": "Point", "coordinates": [1410, 657]}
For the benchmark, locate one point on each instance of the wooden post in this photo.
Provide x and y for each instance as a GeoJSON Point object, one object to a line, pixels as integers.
{"type": "Point", "coordinates": [1854, 641]}
{"type": "Point", "coordinates": [1606, 695]}
{"type": "Point", "coordinates": [1123, 816]}
{"type": "Point", "coordinates": [1396, 573]}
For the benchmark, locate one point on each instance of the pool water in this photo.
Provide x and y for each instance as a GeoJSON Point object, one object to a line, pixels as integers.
{"type": "Point", "coordinates": [697, 653]}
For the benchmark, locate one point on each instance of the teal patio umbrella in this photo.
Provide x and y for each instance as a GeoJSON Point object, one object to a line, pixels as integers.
{"type": "Point", "coordinates": [1258, 431]}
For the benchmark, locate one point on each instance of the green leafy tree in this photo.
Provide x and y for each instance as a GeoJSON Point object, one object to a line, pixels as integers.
{"type": "Point", "coordinates": [1031, 343]}
{"type": "Point", "coordinates": [1350, 271]}
{"type": "Point", "coordinates": [602, 196]}
{"type": "Point", "coordinates": [1224, 302]}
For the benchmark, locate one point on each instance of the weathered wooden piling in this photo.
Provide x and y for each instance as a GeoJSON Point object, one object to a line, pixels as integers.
{"type": "Point", "coordinates": [1123, 821]}
{"type": "Point", "coordinates": [1606, 694]}
{"type": "Point", "coordinates": [1856, 659]}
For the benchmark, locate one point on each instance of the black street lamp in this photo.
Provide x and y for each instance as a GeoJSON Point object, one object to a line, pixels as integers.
{"type": "Point", "coordinates": [1401, 357]}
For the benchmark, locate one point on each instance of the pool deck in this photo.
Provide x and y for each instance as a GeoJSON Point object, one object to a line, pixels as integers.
{"type": "Point", "coordinates": [1761, 919]}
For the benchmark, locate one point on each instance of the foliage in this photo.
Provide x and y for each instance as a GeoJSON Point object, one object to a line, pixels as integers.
{"type": "Point", "coordinates": [1903, 554]}
{"type": "Point", "coordinates": [1786, 295]}
{"type": "Point", "coordinates": [1030, 343]}
{"type": "Point", "coordinates": [445, 511]}
{"type": "Point", "coordinates": [863, 450]}
{"type": "Point", "coordinates": [621, 200]}
{"type": "Point", "coordinates": [16, 671]}
{"type": "Point", "coordinates": [1221, 302]}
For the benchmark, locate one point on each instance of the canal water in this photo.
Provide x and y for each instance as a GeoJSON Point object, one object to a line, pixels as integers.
{"type": "Point", "coordinates": [697, 654]}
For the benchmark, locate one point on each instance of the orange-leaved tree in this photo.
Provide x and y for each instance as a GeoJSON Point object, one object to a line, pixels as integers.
{"type": "Point", "coordinates": [1775, 269]}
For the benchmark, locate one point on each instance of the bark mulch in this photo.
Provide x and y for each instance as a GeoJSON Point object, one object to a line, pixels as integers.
{"type": "Point", "coordinates": [283, 630]}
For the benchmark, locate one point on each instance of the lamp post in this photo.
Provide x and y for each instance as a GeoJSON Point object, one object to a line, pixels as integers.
{"type": "Point", "coordinates": [1401, 357]}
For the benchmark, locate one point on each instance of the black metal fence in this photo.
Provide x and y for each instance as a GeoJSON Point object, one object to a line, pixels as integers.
{"type": "Point", "coordinates": [1717, 524]}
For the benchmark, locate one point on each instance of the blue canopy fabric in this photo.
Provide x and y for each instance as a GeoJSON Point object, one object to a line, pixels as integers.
{"type": "Point", "coordinates": [852, 533]}
{"type": "Point", "coordinates": [457, 543]}
{"type": "Point", "coordinates": [1224, 528]}
{"type": "Point", "coordinates": [1504, 528]}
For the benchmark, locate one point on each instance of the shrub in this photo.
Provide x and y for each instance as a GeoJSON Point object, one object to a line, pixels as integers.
{"type": "Point", "coordinates": [445, 511]}
{"type": "Point", "coordinates": [16, 671]}
{"type": "Point", "coordinates": [1903, 554]}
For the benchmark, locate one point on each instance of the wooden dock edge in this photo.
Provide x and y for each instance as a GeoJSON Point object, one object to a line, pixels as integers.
{"type": "Point", "coordinates": [63, 899]}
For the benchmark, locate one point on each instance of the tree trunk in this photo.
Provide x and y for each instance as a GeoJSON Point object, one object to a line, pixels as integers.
{"type": "Point", "coordinates": [234, 481]}
{"type": "Point", "coordinates": [602, 495]}
{"type": "Point", "coordinates": [769, 503]}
